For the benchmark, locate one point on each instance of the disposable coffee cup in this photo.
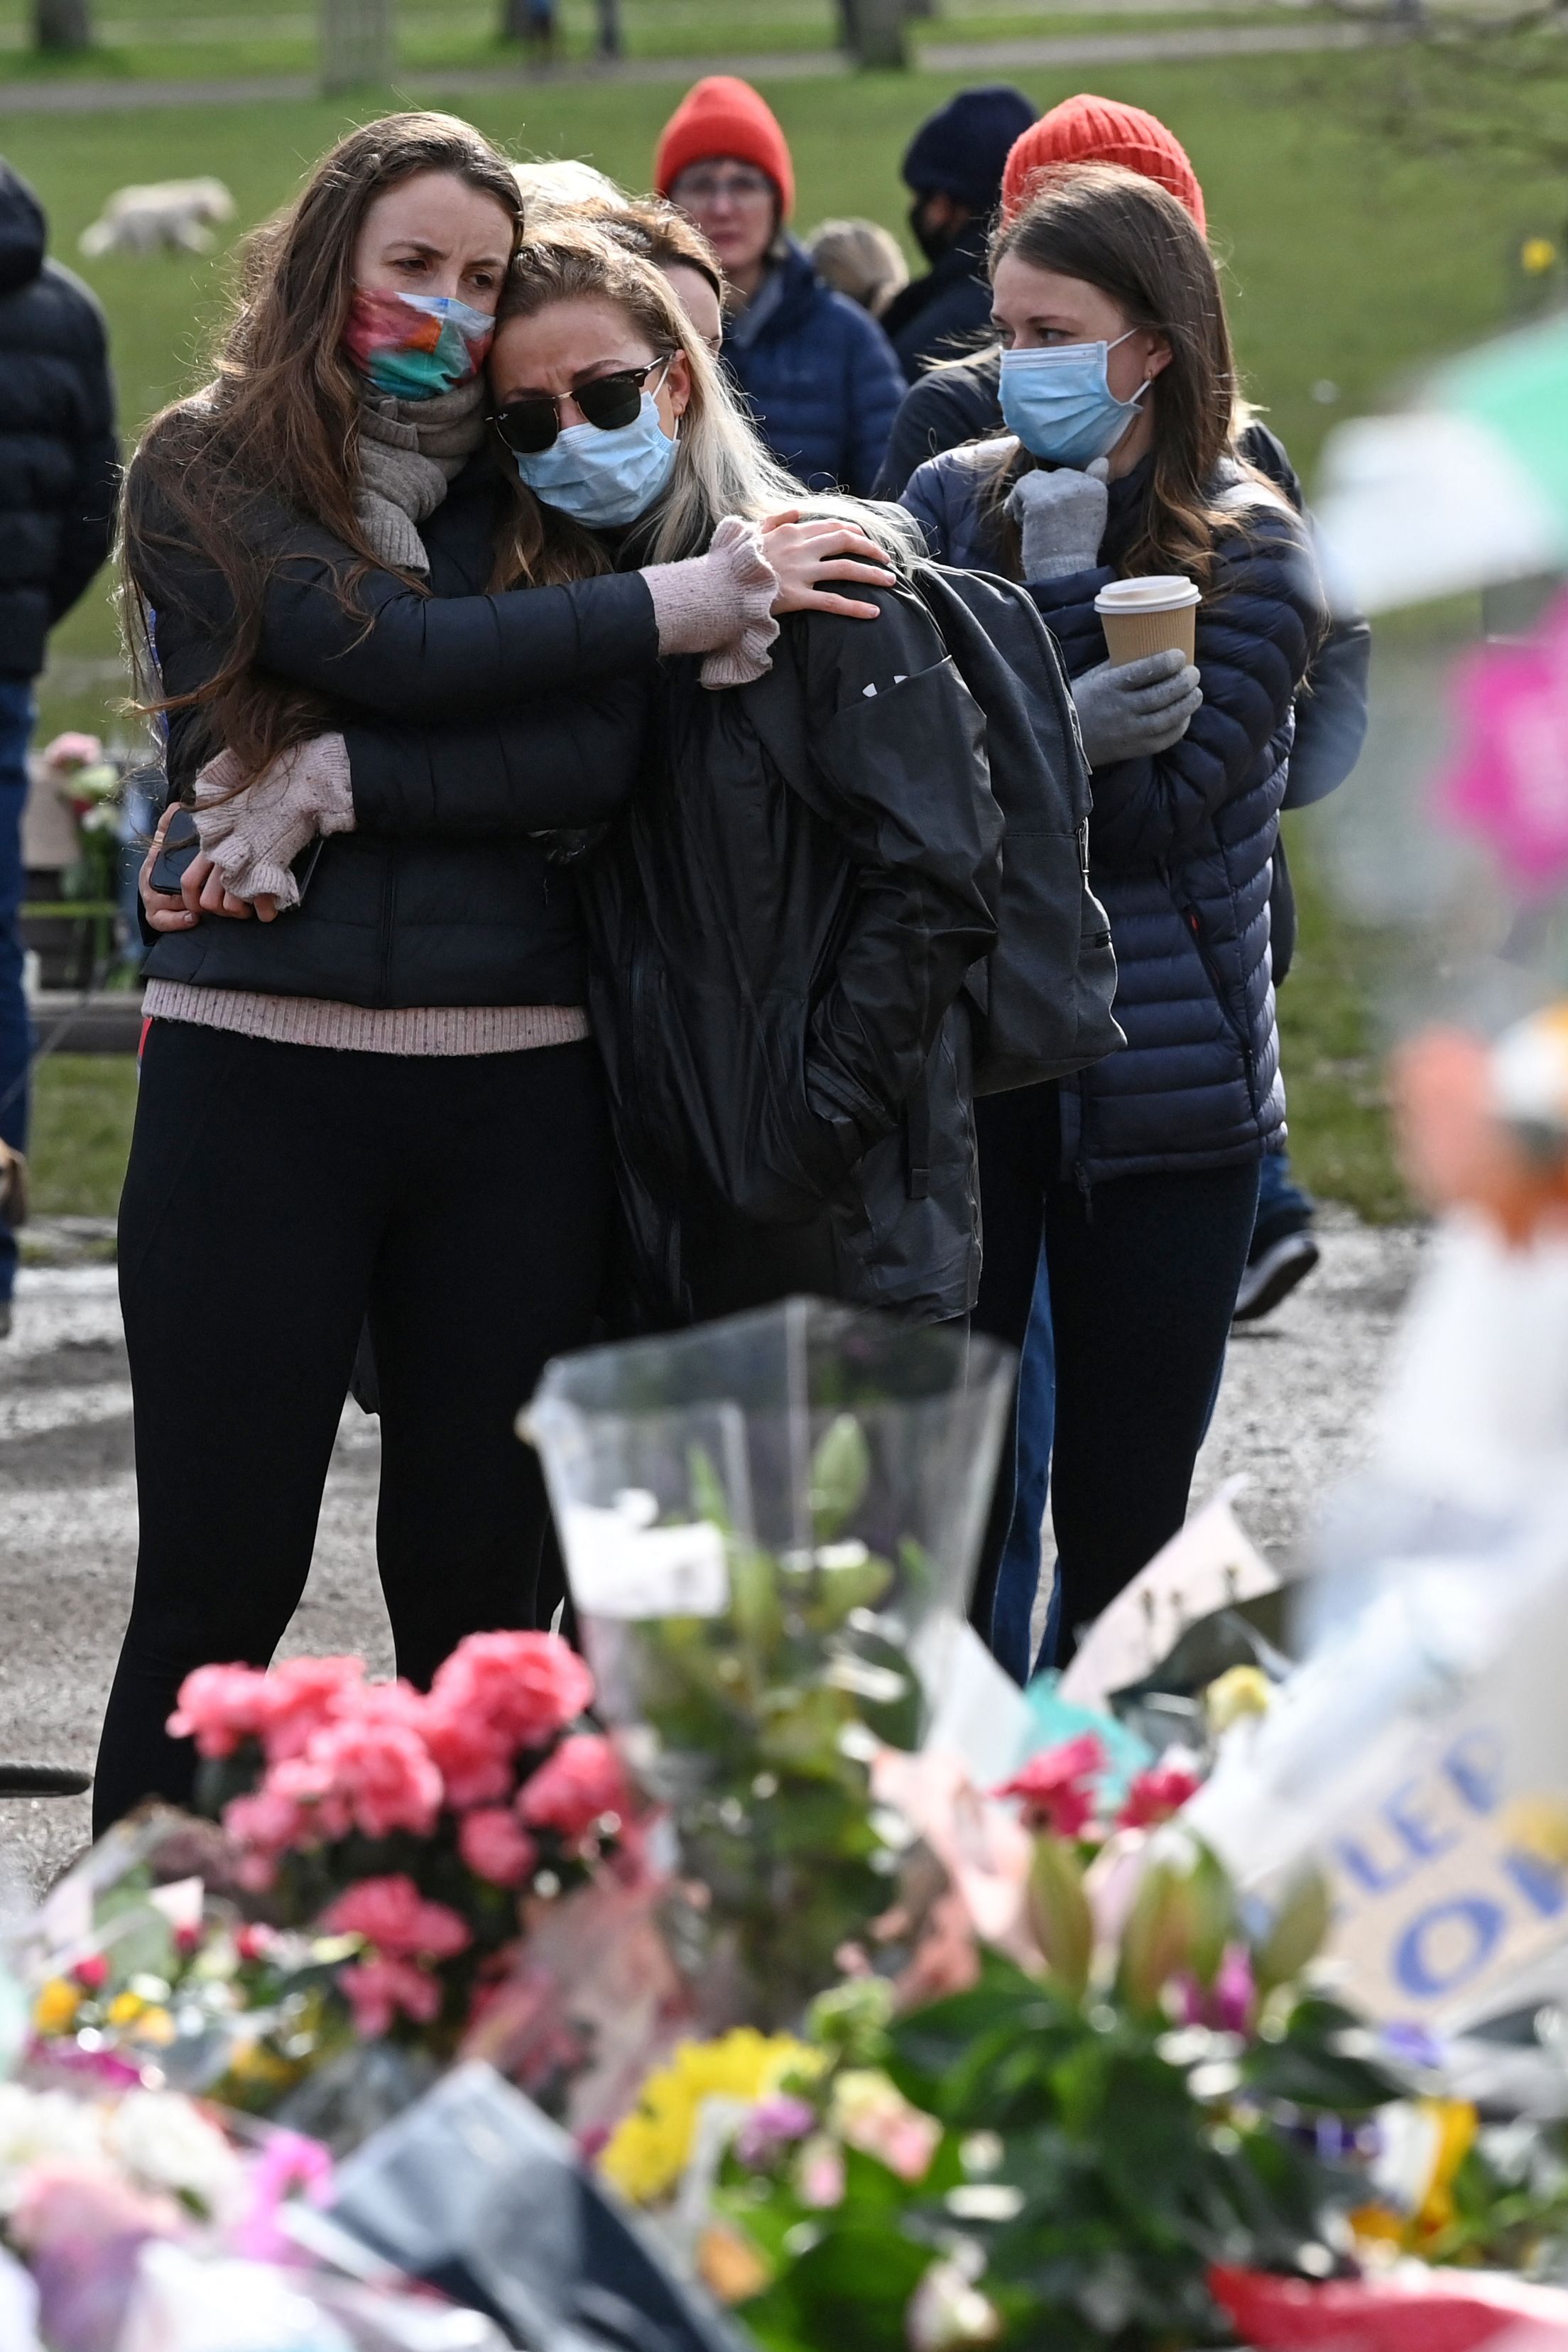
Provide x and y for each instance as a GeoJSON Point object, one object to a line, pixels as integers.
{"type": "Point", "coordinates": [1151, 615]}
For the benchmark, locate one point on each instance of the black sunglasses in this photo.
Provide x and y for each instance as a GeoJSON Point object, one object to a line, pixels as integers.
{"type": "Point", "coordinates": [609, 402]}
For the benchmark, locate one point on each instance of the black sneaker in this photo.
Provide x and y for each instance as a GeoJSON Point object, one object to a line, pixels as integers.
{"type": "Point", "coordinates": [1273, 1270]}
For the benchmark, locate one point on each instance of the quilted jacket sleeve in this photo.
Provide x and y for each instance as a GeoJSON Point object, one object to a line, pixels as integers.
{"type": "Point", "coordinates": [1257, 630]}
{"type": "Point", "coordinates": [378, 645]}
{"type": "Point", "coordinates": [545, 765]}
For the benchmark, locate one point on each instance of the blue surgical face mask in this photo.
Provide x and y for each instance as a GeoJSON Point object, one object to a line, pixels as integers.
{"type": "Point", "coordinates": [1060, 403]}
{"type": "Point", "coordinates": [603, 480]}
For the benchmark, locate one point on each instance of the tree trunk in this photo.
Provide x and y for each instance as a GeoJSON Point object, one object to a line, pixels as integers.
{"type": "Point", "coordinates": [358, 47]}
{"type": "Point", "coordinates": [610, 42]}
{"type": "Point", "coordinates": [879, 34]}
{"type": "Point", "coordinates": [63, 24]}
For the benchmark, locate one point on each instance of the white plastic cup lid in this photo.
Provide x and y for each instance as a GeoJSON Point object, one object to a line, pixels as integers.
{"type": "Point", "coordinates": [1157, 594]}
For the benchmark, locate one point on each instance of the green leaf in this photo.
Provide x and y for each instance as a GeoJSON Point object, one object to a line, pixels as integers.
{"type": "Point", "coordinates": [840, 1473]}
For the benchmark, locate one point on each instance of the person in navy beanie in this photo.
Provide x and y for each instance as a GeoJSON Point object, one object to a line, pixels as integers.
{"type": "Point", "coordinates": [954, 166]}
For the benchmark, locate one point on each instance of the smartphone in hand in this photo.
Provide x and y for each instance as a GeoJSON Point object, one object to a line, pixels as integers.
{"type": "Point", "coordinates": [181, 844]}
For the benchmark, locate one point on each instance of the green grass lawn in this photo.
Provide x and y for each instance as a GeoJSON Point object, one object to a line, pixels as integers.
{"type": "Point", "coordinates": [83, 1105]}
{"type": "Point", "coordinates": [1368, 215]}
{"type": "Point", "coordinates": [1351, 259]}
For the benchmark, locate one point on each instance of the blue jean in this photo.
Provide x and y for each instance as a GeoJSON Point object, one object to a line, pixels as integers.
{"type": "Point", "coordinates": [1019, 1577]}
{"type": "Point", "coordinates": [1281, 1200]}
{"type": "Point", "coordinates": [15, 1029]}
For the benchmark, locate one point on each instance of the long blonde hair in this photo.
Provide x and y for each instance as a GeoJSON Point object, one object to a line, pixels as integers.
{"type": "Point", "coordinates": [720, 466]}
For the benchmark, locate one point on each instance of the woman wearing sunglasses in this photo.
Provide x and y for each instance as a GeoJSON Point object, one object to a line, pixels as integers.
{"type": "Point", "coordinates": [380, 1095]}
{"type": "Point", "coordinates": [783, 914]}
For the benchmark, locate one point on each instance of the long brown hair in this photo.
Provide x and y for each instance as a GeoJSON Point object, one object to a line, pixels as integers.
{"type": "Point", "coordinates": [278, 424]}
{"type": "Point", "coordinates": [1133, 240]}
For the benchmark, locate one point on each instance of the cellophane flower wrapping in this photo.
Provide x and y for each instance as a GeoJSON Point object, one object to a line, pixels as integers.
{"type": "Point", "coordinates": [770, 1525]}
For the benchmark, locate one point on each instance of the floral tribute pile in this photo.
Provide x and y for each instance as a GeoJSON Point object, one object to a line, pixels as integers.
{"type": "Point", "coordinates": [1058, 2088]}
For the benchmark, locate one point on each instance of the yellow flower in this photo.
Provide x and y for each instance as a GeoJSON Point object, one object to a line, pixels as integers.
{"type": "Point", "coordinates": [1456, 2123]}
{"type": "Point", "coordinates": [155, 2025]}
{"type": "Point", "coordinates": [648, 2152]}
{"type": "Point", "coordinates": [125, 2008]}
{"type": "Point", "coordinates": [1537, 255]}
{"type": "Point", "coordinates": [1539, 1825]}
{"type": "Point", "coordinates": [1242, 1690]}
{"type": "Point", "coordinates": [54, 2011]}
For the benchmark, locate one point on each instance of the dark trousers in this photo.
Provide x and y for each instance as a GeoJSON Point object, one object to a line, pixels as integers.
{"type": "Point", "coordinates": [276, 1194]}
{"type": "Point", "coordinates": [15, 1027]}
{"type": "Point", "coordinates": [1143, 1274]}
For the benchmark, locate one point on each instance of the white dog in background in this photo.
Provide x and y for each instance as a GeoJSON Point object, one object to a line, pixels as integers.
{"type": "Point", "coordinates": [169, 215]}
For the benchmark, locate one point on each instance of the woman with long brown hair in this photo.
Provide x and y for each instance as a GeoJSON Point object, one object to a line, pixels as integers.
{"type": "Point", "coordinates": [380, 1097]}
{"type": "Point", "coordinates": [1118, 391]}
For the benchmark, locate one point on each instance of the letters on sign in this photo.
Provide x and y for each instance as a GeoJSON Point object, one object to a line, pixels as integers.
{"type": "Point", "coordinates": [1437, 1904]}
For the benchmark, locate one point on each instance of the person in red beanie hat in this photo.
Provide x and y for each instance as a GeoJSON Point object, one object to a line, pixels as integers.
{"type": "Point", "coordinates": [820, 374]}
{"type": "Point", "coordinates": [724, 117]}
{"type": "Point", "coordinates": [1087, 130]}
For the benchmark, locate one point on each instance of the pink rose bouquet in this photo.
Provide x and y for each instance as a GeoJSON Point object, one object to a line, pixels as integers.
{"type": "Point", "coordinates": [421, 1828]}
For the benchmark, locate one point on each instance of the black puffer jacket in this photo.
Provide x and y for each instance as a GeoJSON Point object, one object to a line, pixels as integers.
{"type": "Point", "coordinates": [781, 922]}
{"type": "Point", "coordinates": [939, 316]}
{"type": "Point", "coordinates": [1180, 845]}
{"type": "Point", "coordinates": [60, 467]}
{"type": "Point", "coordinates": [473, 722]}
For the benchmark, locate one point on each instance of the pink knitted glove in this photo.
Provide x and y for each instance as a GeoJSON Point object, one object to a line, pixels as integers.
{"type": "Point", "coordinates": [719, 604]}
{"type": "Point", "coordinates": [254, 831]}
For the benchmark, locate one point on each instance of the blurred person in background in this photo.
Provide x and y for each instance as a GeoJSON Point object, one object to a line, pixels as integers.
{"type": "Point", "coordinates": [820, 375]}
{"type": "Point", "coordinates": [1120, 456]}
{"type": "Point", "coordinates": [953, 168]}
{"type": "Point", "coordinates": [59, 475]}
{"type": "Point", "coordinates": [859, 257]}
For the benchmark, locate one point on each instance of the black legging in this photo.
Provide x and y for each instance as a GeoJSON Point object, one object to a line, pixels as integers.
{"type": "Point", "coordinates": [1143, 1276]}
{"type": "Point", "coordinates": [276, 1193]}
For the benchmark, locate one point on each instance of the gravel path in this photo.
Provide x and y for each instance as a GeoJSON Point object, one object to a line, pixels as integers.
{"type": "Point", "coordinates": [1291, 1414]}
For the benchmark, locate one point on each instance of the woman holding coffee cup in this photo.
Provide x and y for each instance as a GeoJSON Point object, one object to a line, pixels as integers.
{"type": "Point", "coordinates": [1181, 588]}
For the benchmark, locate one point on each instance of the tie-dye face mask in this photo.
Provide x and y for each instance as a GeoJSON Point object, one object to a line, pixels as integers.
{"type": "Point", "coordinates": [413, 346]}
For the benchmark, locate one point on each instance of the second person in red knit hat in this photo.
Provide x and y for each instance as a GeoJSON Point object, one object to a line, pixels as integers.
{"type": "Point", "coordinates": [821, 376]}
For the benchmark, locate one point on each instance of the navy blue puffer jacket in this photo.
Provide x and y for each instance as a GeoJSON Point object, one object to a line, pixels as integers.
{"type": "Point", "coordinates": [822, 380]}
{"type": "Point", "coordinates": [1180, 845]}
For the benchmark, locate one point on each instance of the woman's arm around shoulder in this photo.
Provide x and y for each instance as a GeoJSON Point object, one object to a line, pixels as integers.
{"type": "Point", "coordinates": [366, 636]}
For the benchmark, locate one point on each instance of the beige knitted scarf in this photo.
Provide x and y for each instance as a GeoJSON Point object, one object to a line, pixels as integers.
{"type": "Point", "coordinates": [409, 452]}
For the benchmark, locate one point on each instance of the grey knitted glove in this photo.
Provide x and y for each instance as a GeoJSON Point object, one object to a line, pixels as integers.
{"type": "Point", "coordinates": [1141, 706]}
{"type": "Point", "coordinates": [1061, 522]}
{"type": "Point", "coordinates": [254, 827]}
